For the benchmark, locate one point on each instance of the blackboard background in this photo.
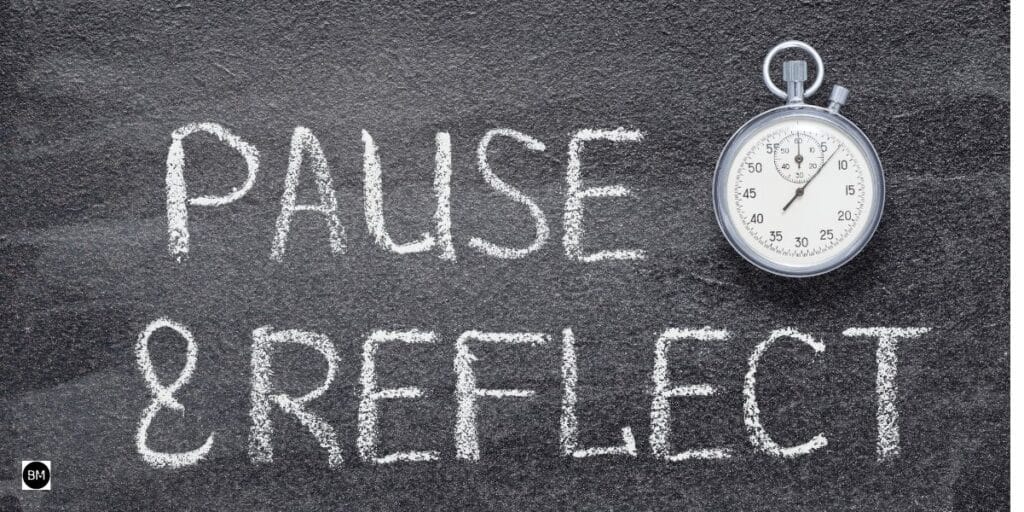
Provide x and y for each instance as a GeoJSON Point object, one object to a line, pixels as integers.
{"type": "Point", "coordinates": [90, 93]}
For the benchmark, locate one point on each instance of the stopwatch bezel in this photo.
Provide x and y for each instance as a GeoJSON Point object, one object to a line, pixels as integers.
{"type": "Point", "coordinates": [720, 192]}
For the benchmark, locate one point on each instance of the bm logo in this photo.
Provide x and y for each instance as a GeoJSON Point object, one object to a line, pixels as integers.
{"type": "Point", "coordinates": [35, 475]}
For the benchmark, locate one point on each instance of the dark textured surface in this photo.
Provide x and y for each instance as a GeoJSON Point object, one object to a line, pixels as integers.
{"type": "Point", "coordinates": [90, 92]}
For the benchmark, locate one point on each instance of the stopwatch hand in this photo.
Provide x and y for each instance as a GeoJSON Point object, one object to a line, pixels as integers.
{"type": "Point", "coordinates": [799, 192]}
{"type": "Point", "coordinates": [799, 156]}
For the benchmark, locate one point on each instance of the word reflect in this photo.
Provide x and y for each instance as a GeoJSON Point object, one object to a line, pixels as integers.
{"type": "Point", "coordinates": [469, 396]}
{"type": "Point", "coordinates": [307, 153]}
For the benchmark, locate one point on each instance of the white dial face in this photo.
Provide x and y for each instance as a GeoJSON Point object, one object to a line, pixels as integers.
{"type": "Point", "coordinates": [799, 191]}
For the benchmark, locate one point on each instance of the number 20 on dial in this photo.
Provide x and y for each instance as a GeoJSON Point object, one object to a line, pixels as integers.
{"type": "Point", "coordinates": [799, 189]}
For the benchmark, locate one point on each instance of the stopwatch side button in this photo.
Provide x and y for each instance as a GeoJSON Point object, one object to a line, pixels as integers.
{"type": "Point", "coordinates": [838, 98]}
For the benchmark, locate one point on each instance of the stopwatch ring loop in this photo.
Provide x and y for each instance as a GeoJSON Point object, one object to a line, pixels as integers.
{"type": "Point", "coordinates": [785, 45]}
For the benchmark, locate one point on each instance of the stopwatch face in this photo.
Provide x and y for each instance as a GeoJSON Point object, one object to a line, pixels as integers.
{"type": "Point", "coordinates": [799, 191]}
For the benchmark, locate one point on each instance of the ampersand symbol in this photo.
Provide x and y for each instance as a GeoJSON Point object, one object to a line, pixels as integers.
{"type": "Point", "coordinates": [163, 396]}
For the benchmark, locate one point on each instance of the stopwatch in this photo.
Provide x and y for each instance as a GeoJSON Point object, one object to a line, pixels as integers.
{"type": "Point", "coordinates": [799, 189]}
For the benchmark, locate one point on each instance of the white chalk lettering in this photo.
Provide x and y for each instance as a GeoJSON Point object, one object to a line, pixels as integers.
{"type": "Point", "coordinates": [661, 410]}
{"type": "Point", "coordinates": [540, 222]}
{"type": "Point", "coordinates": [570, 425]}
{"type": "Point", "coordinates": [373, 191]}
{"type": "Point", "coordinates": [467, 447]}
{"type": "Point", "coordinates": [260, 448]}
{"type": "Point", "coordinates": [177, 192]}
{"type": "Point", "coordinates": [759, 437]}
{"type": "Point", "coordinates": [305, 143]}
{"type": "Point", "coordinates": [573, 215]}
{"type": "Point", "coordinates": [163, 396]}
{"type": "Point", "coordinates": [368, 410]}
{"type": "Point", "coordinates": [885, 383]}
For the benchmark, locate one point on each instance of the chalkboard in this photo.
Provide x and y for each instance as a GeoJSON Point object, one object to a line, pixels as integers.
{"type": "Point", "coordinates": [94, 95]}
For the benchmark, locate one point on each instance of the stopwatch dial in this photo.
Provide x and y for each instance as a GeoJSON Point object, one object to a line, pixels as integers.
{"type": "Point", "coordinates": [805, 214]}
{"type": "Point", "coordinates": [797, 156]}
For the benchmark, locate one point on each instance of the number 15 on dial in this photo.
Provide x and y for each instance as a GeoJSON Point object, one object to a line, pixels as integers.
{"type": "Point", "coordinates": [799, 189]}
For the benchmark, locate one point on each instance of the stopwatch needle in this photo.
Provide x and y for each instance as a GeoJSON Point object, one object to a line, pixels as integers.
{"type": "Point", "coordinates": [799, 156]}
{"type": "Point", "coordinates": [800, 190]}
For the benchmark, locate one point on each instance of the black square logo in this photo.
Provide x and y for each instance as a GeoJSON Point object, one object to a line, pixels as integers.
{"type": "Point", "coordinates": [35, 475]}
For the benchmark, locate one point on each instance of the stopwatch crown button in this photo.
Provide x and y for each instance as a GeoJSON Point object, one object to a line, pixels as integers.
{"type": "Point", "coordinates": [794, 71]}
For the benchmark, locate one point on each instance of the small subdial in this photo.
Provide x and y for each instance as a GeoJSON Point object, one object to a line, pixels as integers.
{"type": "Point", "coordinates": [798, 156]}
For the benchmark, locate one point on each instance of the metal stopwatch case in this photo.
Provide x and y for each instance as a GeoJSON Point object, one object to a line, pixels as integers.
{"type": "Point", "coordinates": [799, 189]}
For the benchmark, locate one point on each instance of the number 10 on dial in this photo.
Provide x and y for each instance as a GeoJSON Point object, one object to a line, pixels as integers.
{"type": "Point", "coordinates": [799, 189]}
